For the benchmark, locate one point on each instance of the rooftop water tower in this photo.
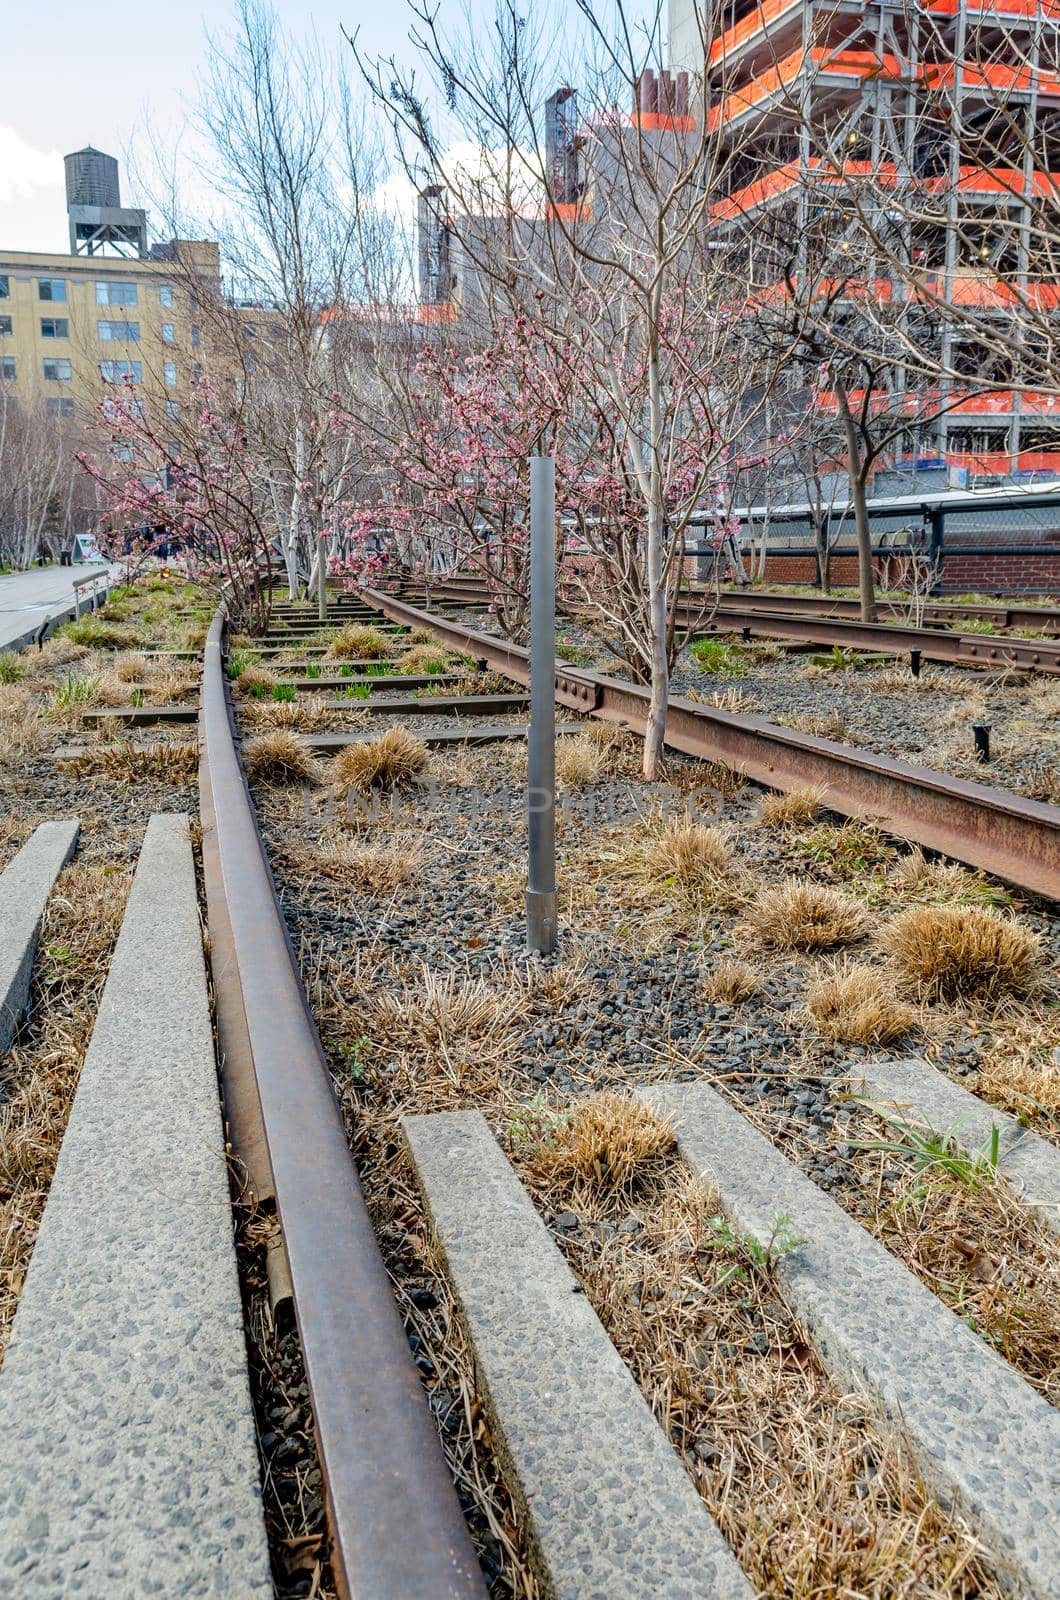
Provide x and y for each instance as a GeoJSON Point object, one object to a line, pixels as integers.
{"type": "Point", "coordinates": [99, 223]}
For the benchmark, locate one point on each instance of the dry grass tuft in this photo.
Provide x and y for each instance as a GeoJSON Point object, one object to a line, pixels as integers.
{"type": "Point", "coordinates": [586, 757]}
{"type": "Point", "coordinates": [60, 652]}
{"type": "Point", "coordinates": [458, 1030]}
{"type": "Point", "coordinates": [132, 667]}
{"type": "Point", "coordinates": [963, 952]}
{"type": "Point", "coordinates": [171, 685]}
{"type": "Point", "coordinates": [395, 758]}
{"type": "Point", "coordinates": [359, 641]}
{"type": "Point", "coordinates": [172, 762]}
{"type": "Point", "coordinates": [856, 1005]}
{"type": "Point", "coordinates": [253, 678]}
{"type": "Point", "coordinates": [805, 916]}
{"type": "Point", "coordinates": [430, 659]}
{"type": "Point", "coordinates": [796, 806]}
{"type": "Point", "coordinates": [690, 855]}
{"type": "Point", "coordinates": [421, 635]}
{"type": "Point", "coordinates": [607, 1143]}
{"type": "Point", "coordinates": [279, 757]}
{"type": "Point", "coordinates": [917, 878]}
{"type": "Point", "coordinates": [730, 982]}
{"type": "Point", "coordinates": [821, 724]}
{"type": "Point", "coordinates": [372, 868]}
{"type": "Point", "coordinates": [309, 713]}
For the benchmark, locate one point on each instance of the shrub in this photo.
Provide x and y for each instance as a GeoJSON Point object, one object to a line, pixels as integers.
{"type": "Point", "coordinates": [428, 659]}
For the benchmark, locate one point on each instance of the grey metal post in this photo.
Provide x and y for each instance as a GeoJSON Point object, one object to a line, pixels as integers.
{"type": "Point", "coordinates": [322, 579]}
{"type": "Point", "coordinates": [541, 762]}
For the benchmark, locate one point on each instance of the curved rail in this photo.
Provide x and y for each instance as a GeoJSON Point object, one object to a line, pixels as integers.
{"type": "Point", "coordinates": [395, 1524]}
{"type": "Point", "coordinates": [1014, 838]}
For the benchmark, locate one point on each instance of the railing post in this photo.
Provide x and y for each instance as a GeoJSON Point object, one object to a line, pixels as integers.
{"type": "Point", "coordinates": [541, 742]}
{"type": "Point", "coordinates": [322, 578]}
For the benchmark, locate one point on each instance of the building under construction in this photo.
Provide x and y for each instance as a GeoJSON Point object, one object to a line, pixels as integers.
{"type": "Point", "coordinates": [955, 103]}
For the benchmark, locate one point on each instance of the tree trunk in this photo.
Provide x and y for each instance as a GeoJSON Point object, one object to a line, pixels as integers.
{"type": "Point", "coordinates": [656, 573]}
{"type": "Point", "coordinates": [856, 476]}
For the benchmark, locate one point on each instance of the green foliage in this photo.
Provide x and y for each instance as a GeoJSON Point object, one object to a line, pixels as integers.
{"type": "Point", "coordinates": [576, 655]}
{"type": "Point", "coordinates": [312, 669]}
{"type": "Point", "coordinates": [936, 1153]}
{"type": "Point", "coordinates": [356, 1054]}
{"type": "Point", "coordinates": [283, 691]}
{"type": "Point", "coordinates": [721, 659]}
{"type": "Point", "coordinates": [747, 1253]}
{"type": "Point", "coordinates": [239, 660]}
{"type": "Point", "coordinates": [356, 691]}
{"type": "Point", "coordinates": [839, 660]}
{"type": "Point", "coordinates": [850, 849]}
{"type": "Point", "coordinates": [76, 689]}
{"type": "Point", "coordinates": [12, 667]}
{"type": "Point", "coordinates": [99, 635]}
{"type": "Point", "coordinates": [972, 625]}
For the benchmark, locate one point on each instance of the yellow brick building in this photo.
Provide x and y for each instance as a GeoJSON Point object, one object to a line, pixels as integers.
{"type": "Point", "coordinates": [73, 326]}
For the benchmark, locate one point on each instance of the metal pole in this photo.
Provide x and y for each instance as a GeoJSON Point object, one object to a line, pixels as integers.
{"type": "Point", "coordinates": [322, 581]}
{"type": "Point", "coordinates": [541, 755]}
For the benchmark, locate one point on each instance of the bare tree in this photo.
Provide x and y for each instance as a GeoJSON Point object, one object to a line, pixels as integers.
{"type": "Point", "coordinates": [597, 227]}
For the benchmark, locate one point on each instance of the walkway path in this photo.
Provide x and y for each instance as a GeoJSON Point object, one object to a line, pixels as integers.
{"type": "Point", "coordinates": [28, 598]}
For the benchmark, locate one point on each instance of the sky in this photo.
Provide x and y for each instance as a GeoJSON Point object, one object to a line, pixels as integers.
{"type": "Point", "coordinates": [71, 79]}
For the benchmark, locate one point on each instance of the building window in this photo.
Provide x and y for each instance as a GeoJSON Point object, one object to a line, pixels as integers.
{"type": "Point", "coordinates": [60, 408]}
{"type": "Point", "coordinates": [5, 286]}
{"type": "Point", "coordinates": [5, 327]}
{"type": "Point", "coordinates": [54, 328]}
{"type": "Point", "coordinates": [115, 294]}
{"type": "Point", "coordinates": [169, 374]}
{"type": "Point", "coordinates": [196, 336]}
{"type": "Point", "coordinates": [122, 371]}
{"type": "Point", "coordinates": [128, 331]}
{"type": "Point", "coordinates": [7, 368]}
{"type": "Point", "coordinates": [167, 333]}
{"type": "Point", "coordinates": [173, 409]}
{"type": "Point", "coordinates": [165, 296]}
{"type": "Point", "coordinates": [51, 288]}
{"type": "Point", "coordinates": [196, 372]}
{"type": "Point", "coordinates": [58, 371]}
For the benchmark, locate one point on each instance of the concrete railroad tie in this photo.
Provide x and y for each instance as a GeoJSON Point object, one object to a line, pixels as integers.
{"type": "Point", "coordinates": [915, 1093]}
{"type": "Point", "coordinates": [613, 1513]}
{"type": "Point", "coordinates": [129, 1465]}
{"type": "Point", "coordinates": [976, 1428]}
{"type": "Point", "coordinates": [25, 885]}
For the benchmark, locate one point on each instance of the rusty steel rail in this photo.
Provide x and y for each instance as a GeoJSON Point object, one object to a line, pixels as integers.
{"type": "Point", "coordinates": [394, 1521]}
{"type": "Point", "coordinates": [471, 590]}
{"type": "Point", "coordinates": [940, 612]}
{"type": "Point", "coordinates": [1016, 839]}
{"type": "Point", "coordinates": [963, 649]}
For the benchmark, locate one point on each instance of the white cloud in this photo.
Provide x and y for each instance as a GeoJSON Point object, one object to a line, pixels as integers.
{"type": "Point", "coordinates": [24, 170]}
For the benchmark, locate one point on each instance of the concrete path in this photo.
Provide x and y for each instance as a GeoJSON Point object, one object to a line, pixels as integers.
{"type": "Point", "coordinates": [29, 598]}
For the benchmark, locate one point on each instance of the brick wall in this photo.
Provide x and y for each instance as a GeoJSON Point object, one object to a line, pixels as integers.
{"type": "Point", "coordinates": [992, 572]}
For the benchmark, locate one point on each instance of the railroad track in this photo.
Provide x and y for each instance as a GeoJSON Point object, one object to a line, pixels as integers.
{"type": "Point", "coordinates": [556, 1394]}
{"type": "Point", "coordinates": [819, 623]}
{"type": "Point", "coordinates": [1044, 619]}
{"type": "Point", "coordinates": [1015, 838]}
